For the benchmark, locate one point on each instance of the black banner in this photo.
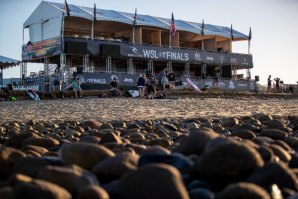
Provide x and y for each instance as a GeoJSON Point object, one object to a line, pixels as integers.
{"type": "Point", "coordinates": [106, 78]}
{"type": "Point", "coordinates": [131, 80]}
{"type": "Point", "coordinates": [186, 55]}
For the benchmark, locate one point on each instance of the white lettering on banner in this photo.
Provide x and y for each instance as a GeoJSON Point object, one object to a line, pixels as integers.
{"type": "Point", "coordinates": [252, 85]}
{"type": "Point", "coordinates": [233, 60]}
{"type": "Point", "coordinates": [231, 85]}
{"type": "Point", "coordinates": [242, 85]}
{"type": "Point", "coordinates": [128, 80]}
{"type": "Point", "coordinates": [209, 58]}
{"type": "Point", "coordinates": [198, 57]}
{"type": "Point", "coordinates": [221, 84]}
{"type": "Point", "coordinates": [152, 54]}
{"type": "Point", "coordinates": [96, 81]}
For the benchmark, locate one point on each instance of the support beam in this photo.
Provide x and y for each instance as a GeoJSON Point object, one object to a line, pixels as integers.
{"type": "Point", "coordinates": [108, 65]}
{"type": "Point", "coordinates": [150, 67]}
{"type": "Point", "coordinates": [169, 67]}
{"type": "Point", "coordinates": [1, 76]}
{"type": "Point", "coordinates": [23, 72]}
{"type": "Point", "coordinates": [187, 69]}
{"type": "Point", "coordinates": [130, 66]}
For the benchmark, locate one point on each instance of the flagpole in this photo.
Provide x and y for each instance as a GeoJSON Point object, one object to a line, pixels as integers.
{"type": "Point", "coordinates": [134, 27]}
{"type": "Point", "coordinates": [170, 40]}
{"type": "Point", "coordinates": [202, 33]}
{"type": "Point", "coordinates": [92, 31]}
{"type": "Point", "coordinates": [249, 39]}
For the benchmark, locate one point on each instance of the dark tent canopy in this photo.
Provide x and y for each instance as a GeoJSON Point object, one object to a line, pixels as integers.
{"type": "Point", "coordinates": [6, 62]}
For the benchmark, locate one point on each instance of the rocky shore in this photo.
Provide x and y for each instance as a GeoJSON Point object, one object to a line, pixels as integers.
{"type": "Point", "coordinates": [132, 148]}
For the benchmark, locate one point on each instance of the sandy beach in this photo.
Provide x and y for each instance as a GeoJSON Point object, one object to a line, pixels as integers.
{"type": "Point", "coordinates": [127, 109]}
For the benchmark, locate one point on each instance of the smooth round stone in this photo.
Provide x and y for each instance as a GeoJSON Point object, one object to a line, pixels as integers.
{"type": "Point", "coordinates": [262, 140]}
{"type": "Point", "coordinates": [17, 139]}
{"type": "Point", "coordinates": [244, 134]}
{"type": "Point", "coordinates": [72, 132]}
{"type": "Point", "coordinates": [110, 137]}
{"type": "Point", "coordinates": [161, 142]}
{"type": "Point", "coordinates": [219, 142]}
{"type": "Point", "coordinates": [175, 159]}
{"type": "Point", "coordinates": [292, 142]}
{"type": "Point", "coordinates": [83, 154]}
{"type": "Point", "coordinates": [266, 153]}
{"type": "Point", "coordinates": [276, 124]}
{"type": "Point", "coordinates": [18, 178]}
{"type": "Point", "coordinates": [200, 193]}
{"type": "Point", "coordinates": [92, 124]}
{"type": "Point", "coordinates": [38, 149]}
{"type": "Point", "coordinates": [133, 126]}
{"type": "Point", "coordinates": [230, 161]}
{"type": "Point", "coordinates": [45, 142]}
{"type": "Point", "coordinates": [229, 122]}
{"type": "Point", "coordinates": [155, 150]}
{"type": "Point", "coordinates": [90, 139]}
{"type": "Point", "coordinates": [246, 126]}
{"type": "Point", "coordinates": [93, 192]}
{"type": "Point", "coordinates": [294, 161]}
{"type": "Point", "coordinates": [72, 178]}
{"type": "Point", "coordinates": [283, 144]}
{"type": "Point", "coordinates": [244, 191]}
{"type": "Point", "coordinates": [263, 117]}
{"type": "Point", "coordinates": [8, 157]}
{"type": "Point", "coordinates": [281, 153]}
{"type": "Point", "coordinates": [274, 173]}
{"type": "Point", "coordinates": [106, 126]}
{"type": "Point", "coordinates": [171, 127]}
{"type": "Point", "coordinates": [192, 125]}
{"type": "Point", "coordinates": [37, 189]}
{"type": "Point", "coordinates": [29, 166]}
{"type": "Point", "coordinates": [118, 165]}
{"type": "Point", "coordinates": [146, 183]}
{"type": "Point", "coordinates": [274, 134]}
{"type": "Point", "coordinates": [196, 142]}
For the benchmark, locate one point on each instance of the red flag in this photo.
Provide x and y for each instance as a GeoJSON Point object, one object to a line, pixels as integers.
{"type": "Point", "coordinates": [173, 26]}
{"type": "Point", "coordinates": [202, 28]}
{"type": "Point", "coordinates": [135, 19]}
{"type": "Point", "coordinates": [66, 8]}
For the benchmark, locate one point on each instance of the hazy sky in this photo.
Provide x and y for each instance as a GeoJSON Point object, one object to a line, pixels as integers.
{"type": "Point", "coordinates": [274, 25]}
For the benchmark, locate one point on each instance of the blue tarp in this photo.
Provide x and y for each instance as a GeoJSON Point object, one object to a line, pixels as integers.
{"type": "Point", "coordinates": [147, 20]}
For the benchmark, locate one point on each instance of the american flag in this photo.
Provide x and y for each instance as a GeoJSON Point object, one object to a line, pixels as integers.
{"type": "Point", "coordinates": [66, 8]}
{"type": "Point", "coordinates": [173, 26]}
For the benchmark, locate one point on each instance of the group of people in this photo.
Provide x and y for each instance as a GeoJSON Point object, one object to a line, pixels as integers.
{"type": "Point", "coordinates": [279, 85]}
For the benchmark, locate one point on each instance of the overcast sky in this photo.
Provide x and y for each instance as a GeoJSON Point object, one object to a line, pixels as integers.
{"type": "Point", "coordinates": [274, 27]}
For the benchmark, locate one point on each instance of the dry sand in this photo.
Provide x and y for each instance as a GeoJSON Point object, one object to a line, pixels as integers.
{"type": "Point", "coordinates": [138, 109]}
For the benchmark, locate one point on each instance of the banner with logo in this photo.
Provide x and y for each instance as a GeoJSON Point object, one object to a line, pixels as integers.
{"type": "Point", "coordinates": [186, 55]}
{"type": "Point", "coordinates": [106, 78]}
{"type": "Point", "coordinates": [41, 49]}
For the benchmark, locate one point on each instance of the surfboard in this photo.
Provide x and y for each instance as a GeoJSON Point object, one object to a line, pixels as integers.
{"type": "Point", "coordinates": [192, 85]}
{"type": "Point", "coordinates": [33, 94]}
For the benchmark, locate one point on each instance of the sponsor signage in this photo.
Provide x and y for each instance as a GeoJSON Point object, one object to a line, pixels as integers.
{"type": "Point", "coordinates": [185, 55]}
{"type": "Point", "coordinates": [41, 49]}
{"type": "Point", "coordinates": [106, 78]}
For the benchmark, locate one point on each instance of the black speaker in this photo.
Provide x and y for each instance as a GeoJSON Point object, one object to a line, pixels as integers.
{"type": "Point", "coordinates": [227, 71]}
{"type": "Point", "coordinates": [110, 50]}
{"type": "Point", "coordinates": [257, 78]}
{"type": "Point", "coordinates": [80, 70]}
{"type": "Point", "coordinates": [76, 48]}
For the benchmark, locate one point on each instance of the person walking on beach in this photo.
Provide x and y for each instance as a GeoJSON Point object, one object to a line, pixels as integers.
{"type": "Point", "coordinates": [76, 86]}
{"type": "Point", "coordinates": [269, 82]}
{"type": "Point", "coordinates": [141, 85]}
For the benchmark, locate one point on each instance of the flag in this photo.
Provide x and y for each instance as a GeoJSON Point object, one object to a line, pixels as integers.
{"type": "Point", "coordinates": [94, 14]}
{"type": "Point", "coordinates": [135, 19]}
{"type": "Point", "coordinates": [202, 28]}
{"type": "Point", "coordinates": [173, 26]}
{"type": "Point", "coordinates": [232, 35]}
{"type": "Point", "coordinates": [66, 8]}
{"type": "Point", "coordinates": [249, 36]}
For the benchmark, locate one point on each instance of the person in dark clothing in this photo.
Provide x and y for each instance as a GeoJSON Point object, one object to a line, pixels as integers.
{"type": "Point", "coordinates": [277, 81]}
{"type": "Point", "coordinates": [151, 90]}
{"type": "Point", "coordinates": [141, 85]}
{"type": "Point", "coordinates": [114, 89]}
{"type": "Point", "coordinates": [269, 84]}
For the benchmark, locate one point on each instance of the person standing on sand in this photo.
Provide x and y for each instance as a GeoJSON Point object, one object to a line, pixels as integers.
{"type": "Point", "coordinates": [76, 86]}
{"type": "Point", "coordinates": [269, 81]}
{"type": "Point", "coordinates": [277, 81]}
{"type": "Point", "coordinates": [141, 85]}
